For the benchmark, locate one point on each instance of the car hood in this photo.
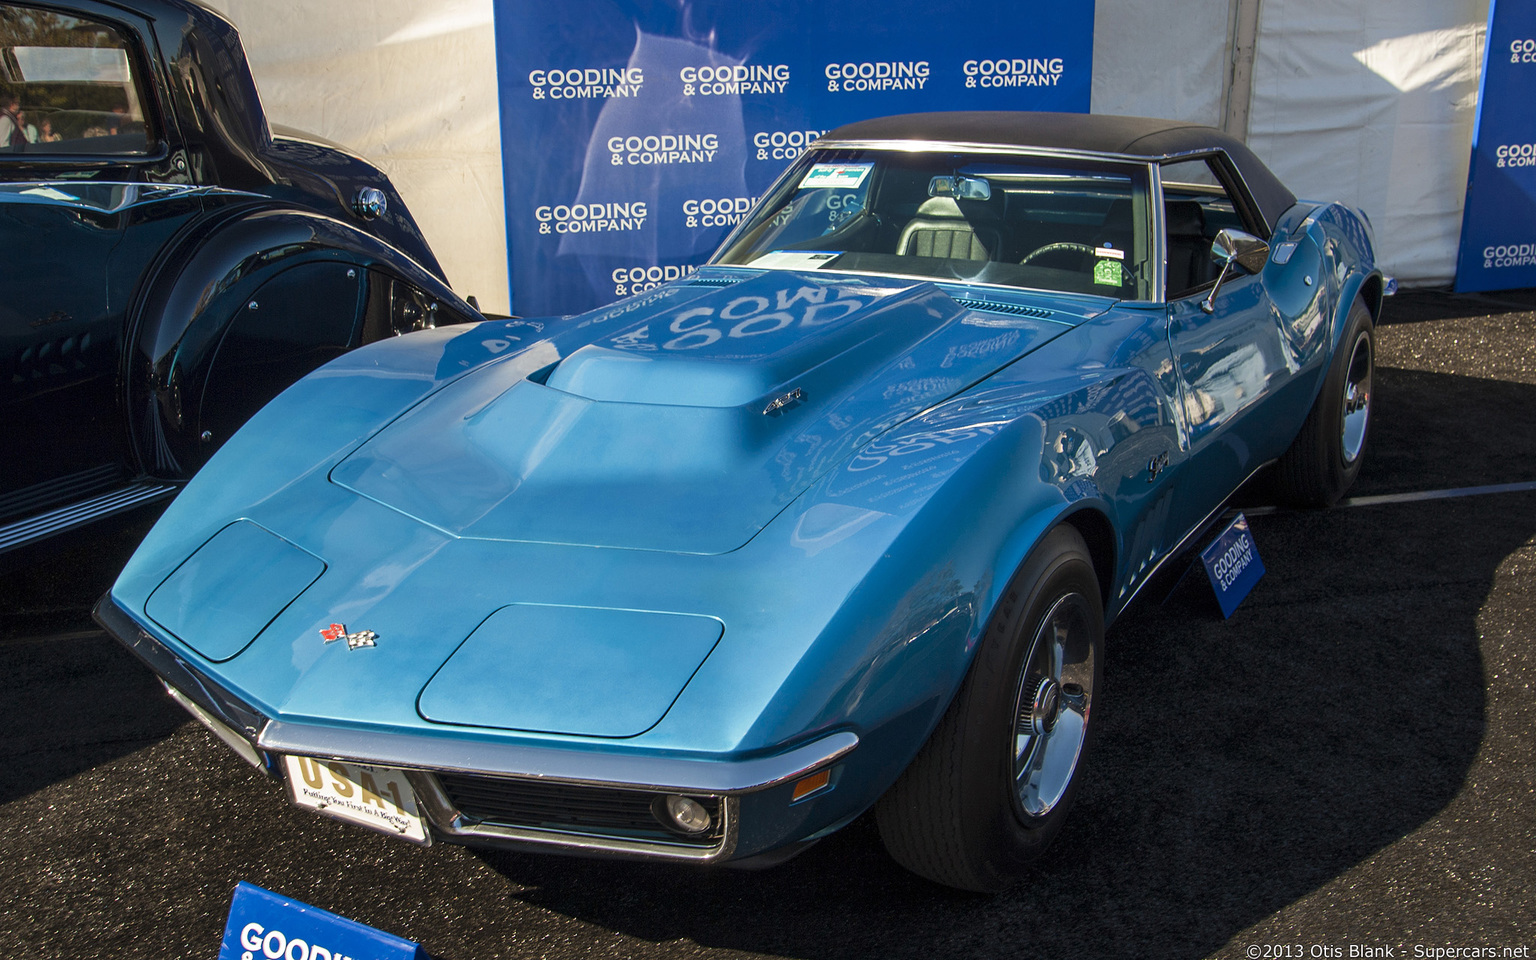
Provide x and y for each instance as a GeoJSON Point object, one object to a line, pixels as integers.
{"type": "Point", "coordinates": [687, 426]}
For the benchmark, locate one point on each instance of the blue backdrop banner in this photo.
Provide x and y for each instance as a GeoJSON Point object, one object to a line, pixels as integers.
{"type": "Point", "coordinates": [1498, 229]}
{"type": "Point", "coordinates": [635, 134]}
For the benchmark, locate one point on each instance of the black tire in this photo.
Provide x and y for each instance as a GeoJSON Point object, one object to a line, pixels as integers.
{"type": "Point", "coordinates": [1324, 459]}
{"type": "Point", "coordinates": [958, 815]}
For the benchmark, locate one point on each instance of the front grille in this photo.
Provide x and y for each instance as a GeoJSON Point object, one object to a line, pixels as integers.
{"type": "Point", "coordinates": [1013, 308]}
{"type": "Point", "coordinates": [595, 811]}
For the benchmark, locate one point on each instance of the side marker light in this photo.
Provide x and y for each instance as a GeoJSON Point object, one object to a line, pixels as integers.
{"type": "Point", "coordinates": [811, 784]}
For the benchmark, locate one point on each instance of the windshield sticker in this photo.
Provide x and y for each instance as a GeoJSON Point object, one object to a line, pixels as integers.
{"type": "Point", "coordinates": [844, 175]}
{"type": "Point", "coordinates": [1110, 252]}
{"type": "Point", "coordinates": [1108, 272]}
{"type": "Point", "coordinates": [797, 259]}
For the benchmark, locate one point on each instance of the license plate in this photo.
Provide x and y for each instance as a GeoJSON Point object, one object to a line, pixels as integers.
{"type": "Point", "coordinates": [379, 798]}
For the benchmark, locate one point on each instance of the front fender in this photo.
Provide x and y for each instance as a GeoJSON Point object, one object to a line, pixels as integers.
{"type": "Point", "coordinates": [887, 571]}
{"type": "Point", "coordinates": [885, 574]}
{"type": "Point", "coordinates": [326, 287]}
{"type": "Point", "coordinates": [1348, 266]}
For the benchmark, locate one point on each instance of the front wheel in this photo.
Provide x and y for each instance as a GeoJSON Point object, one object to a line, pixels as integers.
{"type": "Point", "coordinates": [991, 787]}
{"type": "Point", "coordinates": [1325, 458]}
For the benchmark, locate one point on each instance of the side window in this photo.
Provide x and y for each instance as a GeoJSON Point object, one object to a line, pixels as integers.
{"type": "Point", "coordinates": [68, 86]}
{"type": "Point", "coordinates": [1196, 207]}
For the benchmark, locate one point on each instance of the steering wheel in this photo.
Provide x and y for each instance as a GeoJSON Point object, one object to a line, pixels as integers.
{"type": "Point", "coordinates": [1056, 248]}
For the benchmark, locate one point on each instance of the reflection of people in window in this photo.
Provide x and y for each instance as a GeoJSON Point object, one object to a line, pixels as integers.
{"type": "Point", "coordinates": [12, 133]}
{"type": "Point", "coordinates": [47, 135]}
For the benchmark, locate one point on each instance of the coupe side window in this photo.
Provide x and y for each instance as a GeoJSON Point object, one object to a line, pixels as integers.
{"type": "Point", "coordinates": [68, 86]}
{"type": "Point", "coordinates": [1196, 207]}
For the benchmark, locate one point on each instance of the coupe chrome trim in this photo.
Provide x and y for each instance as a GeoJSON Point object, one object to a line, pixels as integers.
{"type": "Point", "coordinates": [1184, 541]}
{"type": "Point", "coordinates": [56, 192]}
{"type": "Point", "coordinates": [78, 514]}
{"type": "Point", "coordinates": [449, 822]}
{"type": "Point", "coordinates": [1155, 199]}
{"type": "Point", "coordinates": [217, 727]}
{"type": "Point", "coordinates": [965, 146]}
{"type": "Point", "coordinates": [175, 671]}
{"type": "Point", "coordinates": [498, 758]}
{"type": "Point", "coordinates": [421, 751]}
{"type": "Point", "coordinates": [70, 488]}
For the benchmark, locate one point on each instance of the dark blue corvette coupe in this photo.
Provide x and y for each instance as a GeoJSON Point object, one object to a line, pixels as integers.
{"type": "Point", "coordinates": [167, 263]}
{"type": "Point", "coordinates": [835, 524]}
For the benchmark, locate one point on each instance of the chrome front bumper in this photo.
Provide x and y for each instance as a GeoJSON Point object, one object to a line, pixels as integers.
{"type": "Point", "coordinates": [262, 740]}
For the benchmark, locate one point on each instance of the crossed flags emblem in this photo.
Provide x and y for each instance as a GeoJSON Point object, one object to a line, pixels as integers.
{"type": "Point", "coordinates": [338, 631]}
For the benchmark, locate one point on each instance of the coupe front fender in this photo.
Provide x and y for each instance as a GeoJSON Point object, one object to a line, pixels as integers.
{"type": "Point", "coordinates": [314, 273]}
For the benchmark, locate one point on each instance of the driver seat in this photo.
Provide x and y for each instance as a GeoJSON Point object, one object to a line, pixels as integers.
{"type": "Point", "coordinates": [952, 229]}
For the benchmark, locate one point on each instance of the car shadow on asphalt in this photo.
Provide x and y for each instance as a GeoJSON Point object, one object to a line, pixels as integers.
{"type": "Point", "coordinates": [70, 697]}
{"type": "Point", "coordinates": [1240, 764]}
{"type": "Point", "coordinates": [71, 702]}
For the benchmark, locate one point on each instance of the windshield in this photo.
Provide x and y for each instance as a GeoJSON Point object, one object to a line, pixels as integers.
{"type": "Point", "coordinates": [1019, 221]}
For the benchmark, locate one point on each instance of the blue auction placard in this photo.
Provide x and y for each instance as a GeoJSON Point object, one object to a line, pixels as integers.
{"type": "Point", "coordinates": [1498, 227]}
{"type": "Point", "coordinates": [263, 925]}
{"type": "Point", "coordinates": [1232, 562]}
{"type": "Point", "coordinates": [636, 134]}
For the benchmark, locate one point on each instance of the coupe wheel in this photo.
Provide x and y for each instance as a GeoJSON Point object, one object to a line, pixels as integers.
{"type": "Point", "coordinates": [992, 786]}
{"type": "Point", "coordinates": [1324, 459]}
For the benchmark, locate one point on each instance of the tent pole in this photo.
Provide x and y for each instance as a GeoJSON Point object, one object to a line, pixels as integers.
{"type": "Point", "coordinates": [1237, 89]}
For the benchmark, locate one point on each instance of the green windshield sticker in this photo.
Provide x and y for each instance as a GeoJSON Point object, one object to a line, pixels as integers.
{"type": "Point", "coordinates": [844, 175]}
{"type": "Point", "coordinates": [1107, 271]}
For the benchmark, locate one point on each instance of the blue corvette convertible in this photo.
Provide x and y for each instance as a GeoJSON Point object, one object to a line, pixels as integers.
{"type": "Point", "coordinates": [834, 524]}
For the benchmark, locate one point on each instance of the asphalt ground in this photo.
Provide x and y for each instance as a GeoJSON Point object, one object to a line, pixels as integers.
{"type": "Point", "coordinates": [1344, 768]}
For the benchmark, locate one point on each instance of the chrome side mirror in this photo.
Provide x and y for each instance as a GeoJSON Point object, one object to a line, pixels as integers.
{"type": "Point", "coordinates": [1234, 246]}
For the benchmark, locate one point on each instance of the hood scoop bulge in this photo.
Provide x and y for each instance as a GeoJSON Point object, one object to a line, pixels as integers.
{"type": "Point", "coordinates": [733, 347]}
{"type": "Point", "coordinates": [689, 429]}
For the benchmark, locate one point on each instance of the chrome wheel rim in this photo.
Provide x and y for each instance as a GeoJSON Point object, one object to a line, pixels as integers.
{"type": "Point", "coordinates": [1357, 399]}
{"type": "Point", "coordinates": [1050, 718]}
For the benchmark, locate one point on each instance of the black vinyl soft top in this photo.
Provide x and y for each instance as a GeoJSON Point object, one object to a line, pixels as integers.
{"type": "Point", "coordinates": [1141, 137]}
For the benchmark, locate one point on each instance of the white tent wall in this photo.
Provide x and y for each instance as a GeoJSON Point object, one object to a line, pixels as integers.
{"type": "Point", "coordinates": [1373, 104]}
{"type": "Point", "coordinates": [409, 85]}
{"type": "Point", "coordinates": [1165, 59]}
{"type": "Point", "coordinates": [1366, 102]}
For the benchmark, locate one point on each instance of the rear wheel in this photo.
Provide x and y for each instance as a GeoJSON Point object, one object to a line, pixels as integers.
{"type": "Point", "coordinates": [991, 787]}
{"type": "Point", "coordinates": [1324, 459]}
